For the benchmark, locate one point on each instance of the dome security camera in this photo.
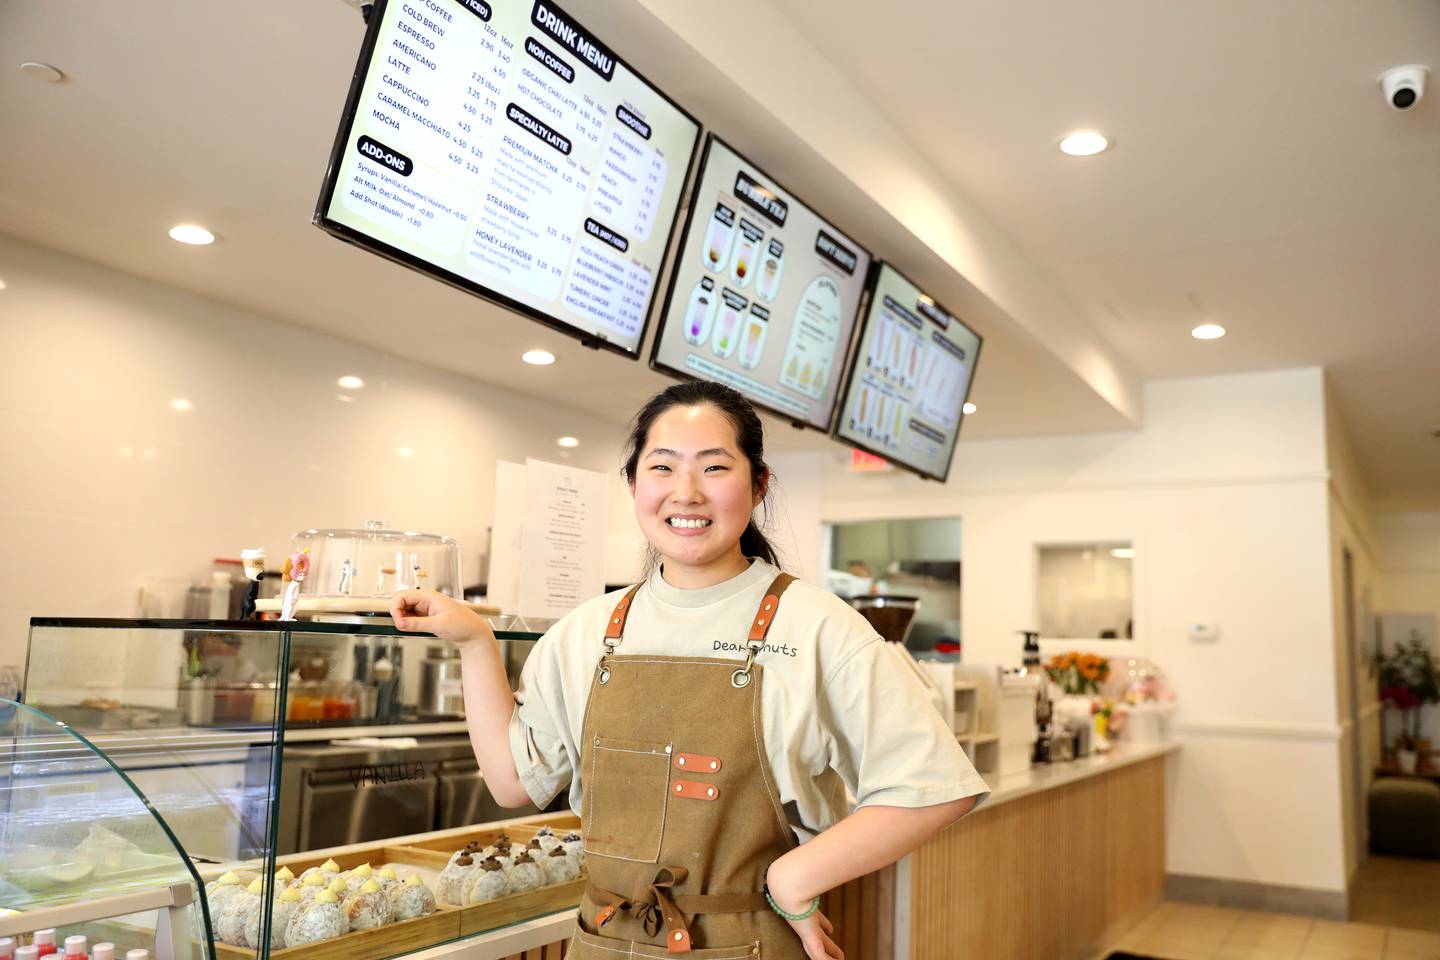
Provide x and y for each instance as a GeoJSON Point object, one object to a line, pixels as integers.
{"type": "Point", "coordinates": [1404, 86]}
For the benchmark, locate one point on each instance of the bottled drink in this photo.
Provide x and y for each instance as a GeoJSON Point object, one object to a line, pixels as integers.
{"type": "Point", "coordinates": [44, 942]}
{"type": "Point", "coordinates": [75, 947]}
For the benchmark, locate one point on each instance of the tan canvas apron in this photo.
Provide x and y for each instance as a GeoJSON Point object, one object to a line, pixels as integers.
{"type": "Point", "coordinates": [681, 814]}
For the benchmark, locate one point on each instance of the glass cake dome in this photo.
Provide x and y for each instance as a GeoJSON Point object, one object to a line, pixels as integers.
{"type": "Point", "coordinates": [375, 561]}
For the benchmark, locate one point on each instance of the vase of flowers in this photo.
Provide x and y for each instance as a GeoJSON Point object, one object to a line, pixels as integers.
{"type": "Point", "coordinates": [1409, 681]}
{"type": "Point", "coordinates": [1079, 676]}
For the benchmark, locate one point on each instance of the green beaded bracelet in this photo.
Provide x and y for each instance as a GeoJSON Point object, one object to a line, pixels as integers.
{"type": "Point", "coordinates": [793, 917]}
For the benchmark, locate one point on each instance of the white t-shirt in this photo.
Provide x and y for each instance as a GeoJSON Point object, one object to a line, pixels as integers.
{"type": "Point", "coordinates": [840, 710]}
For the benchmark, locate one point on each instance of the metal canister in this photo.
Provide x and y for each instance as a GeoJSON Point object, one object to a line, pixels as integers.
{"type": "Point", "coordinates": [440, 693]}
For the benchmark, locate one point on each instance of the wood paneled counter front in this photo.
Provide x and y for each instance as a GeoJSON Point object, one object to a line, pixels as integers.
{"type": "Point", "coordinates": [1058, 862]}
{"type": "Point", "coordinates": [1055, 864]}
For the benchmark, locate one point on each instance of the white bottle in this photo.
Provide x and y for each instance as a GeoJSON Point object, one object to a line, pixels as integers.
{"type": "Point", "coordinates": [7, 948]}
{"type": "Point", "coordinates": [28, 952]}
{"type": "Point", "coordinates": [138, 954]}
{"type": "Point", "coordinates": [103, 951]}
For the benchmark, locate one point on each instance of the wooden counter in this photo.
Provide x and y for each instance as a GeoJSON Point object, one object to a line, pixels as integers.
{"type": "Point", "coordinates": [1055, 864]}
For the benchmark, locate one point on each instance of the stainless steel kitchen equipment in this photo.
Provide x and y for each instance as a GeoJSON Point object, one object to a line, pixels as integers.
{"type": "Point", "coordinates": [339, 793]}
{"type": "Point", "coordinates": [440, 694]}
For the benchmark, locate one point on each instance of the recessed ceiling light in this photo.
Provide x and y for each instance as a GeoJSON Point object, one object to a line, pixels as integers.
{"type": "Point", "coordinates": [1123, 553]}
{"type": "Point", "coordinates": [969, 408]}
{"type": "Point", "coordinates": [540, 358]}
{"type": "Point", "coordinates": [350, 382]}
{"type": "Point", "coordinates": [567, 442]}
{"type": "Point", "coordinates": [190, 233]}
{"type": "Point", "coordinates": [42, 72]}
{"type": "Point", "coordinates": [2, 284]}
{"type": "Point", "coordinates": [181, 404]}
{"type": "Point", "coordinates": [1083, 143]}
{"type": "Point", "coordinates": [1208, 331]}
{"type": "Point", "coordinates": [404, 452]}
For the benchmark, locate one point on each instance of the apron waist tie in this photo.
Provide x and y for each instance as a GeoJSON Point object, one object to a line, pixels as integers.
{"type": "Point", "coordinates": [661, 907]}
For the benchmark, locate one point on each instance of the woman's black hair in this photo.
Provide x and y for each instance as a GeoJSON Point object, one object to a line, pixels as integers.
{"type": "Point", "coordinates": [749, 436]}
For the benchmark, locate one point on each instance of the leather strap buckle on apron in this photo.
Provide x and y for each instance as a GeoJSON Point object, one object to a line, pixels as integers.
{"type": "Point", "coordinates": [615, 629]}
{"type": "Point", "coordinates": [663, 908]}
{"type": "Point", "coordinates": [760, 628]}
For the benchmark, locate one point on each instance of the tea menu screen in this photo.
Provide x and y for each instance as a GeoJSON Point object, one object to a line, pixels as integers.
{"type": "Point", "coordinates": [500, 145]}
{"type": "Point", "coordinates": [909, 377]}
{"type": "Point", "coordinates": [764, 295]}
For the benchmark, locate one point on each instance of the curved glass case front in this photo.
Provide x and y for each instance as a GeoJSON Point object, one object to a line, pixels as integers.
{"type": "Point", "coordinates": [267, 756]}
{"type": "Point", "coordinates": [83, 850]}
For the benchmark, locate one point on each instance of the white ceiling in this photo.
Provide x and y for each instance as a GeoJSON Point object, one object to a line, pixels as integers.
{"type": "Point", "coordinates": [1257, 179]}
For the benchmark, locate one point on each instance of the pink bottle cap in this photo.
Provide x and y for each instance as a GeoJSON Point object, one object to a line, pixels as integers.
{"type": "Point", "coordinates": [103, 951]}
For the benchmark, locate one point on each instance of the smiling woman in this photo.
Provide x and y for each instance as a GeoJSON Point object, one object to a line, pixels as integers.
{"type": "Point", "coordinates": [710, 721]}
{"type": "Point", "coordinates": [696, 468]}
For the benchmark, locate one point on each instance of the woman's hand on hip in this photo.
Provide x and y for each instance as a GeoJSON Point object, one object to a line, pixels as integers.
{"type": "Point", "coordinates": [426, 611]}
{"type": "Point", "coordinates": [815, 932]}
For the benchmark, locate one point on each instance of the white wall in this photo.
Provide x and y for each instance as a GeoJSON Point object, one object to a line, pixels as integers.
{"type": "Point", "coordinates": [1224, 494]}
{"type": "Point", "coordinates": [1352, 532]}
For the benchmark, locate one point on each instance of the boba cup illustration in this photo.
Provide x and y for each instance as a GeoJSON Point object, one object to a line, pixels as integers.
{"type": "Point", "coordinates": [718, 238]}
{"type": "Point", "coordinates": [700, 315]}
{"type": "Point", "coordinates": [727, 332]}
{"type": "Point", "coordinates": [769, 282]}
{"type": "Point", "coordinates": [742, 264]}
{"type": "Point", "coordinates": [754, 343]}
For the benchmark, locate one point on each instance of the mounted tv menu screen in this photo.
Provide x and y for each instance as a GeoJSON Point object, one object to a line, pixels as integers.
{"type": "Point", "coordinates": [499, 145]}
{"type": "Point", "coordinates": [909, 377]}
{"type": "Point", "coordinates": [764, 293]}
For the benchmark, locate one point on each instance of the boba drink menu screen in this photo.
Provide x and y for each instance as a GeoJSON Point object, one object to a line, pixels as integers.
{"type": "Point", "coordinates": [764, 294]}
{"type": "Point", "coordinates": [501, 146]}
{"type": "Point", "coordinates": [909, 377]}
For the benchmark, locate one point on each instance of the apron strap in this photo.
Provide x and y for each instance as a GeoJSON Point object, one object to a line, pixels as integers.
{"type": "Point", "coordinates": [766, 614]}
{"type": "Point", "coordinates": [615, 629]}
{"type": "Point", "coordinates": [661, 907]}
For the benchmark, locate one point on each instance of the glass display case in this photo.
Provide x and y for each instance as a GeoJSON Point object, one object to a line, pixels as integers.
{"type": "Point", "coordinates": [308, 800]}
{"type": "Point", "coordinates": [82, 852]}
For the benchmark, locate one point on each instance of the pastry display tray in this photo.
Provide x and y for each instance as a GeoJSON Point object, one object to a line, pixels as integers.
{"type": "Point", "coordinates": [427, 857]}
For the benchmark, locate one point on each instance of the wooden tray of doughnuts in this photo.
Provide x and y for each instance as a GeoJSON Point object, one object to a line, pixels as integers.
{"type": "Point", "coordinates": [448, 922]}
{"type": "Point", "coordinates": [480, 917]}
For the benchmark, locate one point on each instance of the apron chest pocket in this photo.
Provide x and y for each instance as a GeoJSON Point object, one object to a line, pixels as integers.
{"type": "Point", "coordinates": [626, 793]}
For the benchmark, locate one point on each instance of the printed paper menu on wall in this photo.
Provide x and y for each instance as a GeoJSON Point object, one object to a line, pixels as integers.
{"type": "Point", "coordinates": [502, 146]}
{"type": "Point", "coordinates": [911, 373]}
{"type": "Point", "coordinates": [765, 292]}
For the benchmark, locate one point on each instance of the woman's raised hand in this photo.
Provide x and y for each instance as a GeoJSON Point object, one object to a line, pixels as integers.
{"type": "Point", "coordinates": [425, 611]}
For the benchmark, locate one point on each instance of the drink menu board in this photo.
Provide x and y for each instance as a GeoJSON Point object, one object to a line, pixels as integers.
{"type": "Point", "coordinates": [909, 377]}
{"type": "Point", "coordinates": [501, 146]}
{"type": "Point", "coordinates": [764, 294]}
